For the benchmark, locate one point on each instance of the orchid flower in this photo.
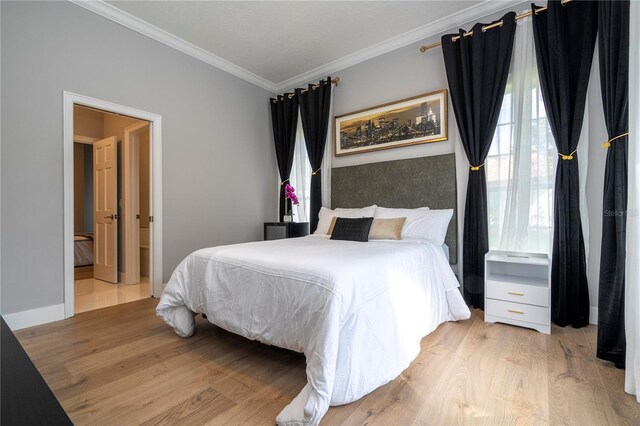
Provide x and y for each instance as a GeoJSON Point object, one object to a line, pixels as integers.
{"type": "Point", "coordinates": [290, 193]}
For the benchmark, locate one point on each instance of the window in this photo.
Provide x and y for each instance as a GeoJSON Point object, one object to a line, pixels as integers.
{"type": "Point", "coordinates": [300, 177]}
{"type": "Point", "coordinates": [521, 162]}
{"type": "Point", "coordinates": [498, 169]}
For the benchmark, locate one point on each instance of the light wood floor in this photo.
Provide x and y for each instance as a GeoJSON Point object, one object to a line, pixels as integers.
{"type": "Point", "coordinates": [122, 365]}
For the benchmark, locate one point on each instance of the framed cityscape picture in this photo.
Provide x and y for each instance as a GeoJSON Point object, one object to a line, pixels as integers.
{"type": "Point", "coordinates": [416, 120]}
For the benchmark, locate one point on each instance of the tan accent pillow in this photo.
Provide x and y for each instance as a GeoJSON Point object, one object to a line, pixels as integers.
{"type": "Point", "coordinates": [331, 225]}
{"type": "Point", "coordinates": [387, 229]}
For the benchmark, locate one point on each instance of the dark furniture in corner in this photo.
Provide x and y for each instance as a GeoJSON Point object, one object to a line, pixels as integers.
{"type": "Point", "coordinates": [26, 398]}
{"type": "Point", "coordinates": [279, 230]}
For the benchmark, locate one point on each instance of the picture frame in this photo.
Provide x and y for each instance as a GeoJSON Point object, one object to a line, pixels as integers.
{"type": "Point", "coordinates": [410, 121]}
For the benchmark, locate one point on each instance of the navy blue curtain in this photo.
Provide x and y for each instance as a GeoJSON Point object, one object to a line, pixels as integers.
{"type": "Point", "coordinates": [565, 37]}
{"type": "Point", "coordinates": [477, 69]}
{"type": "Point", "coordinates": [284, 120]}
{"type": "Point", "coordinates": [613, 43]}
{"type": "Point", "coordinates": [315, 104]}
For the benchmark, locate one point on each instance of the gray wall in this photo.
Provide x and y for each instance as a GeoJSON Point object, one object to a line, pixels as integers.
{"type": "Point", "coordinates": [400, 74]}
{"type": "Point", "coordinates": [406, 72]}
{"type": "Point", "coordinates": [218, 161]}
{"type": "Point", "coordinates": [214, 191]}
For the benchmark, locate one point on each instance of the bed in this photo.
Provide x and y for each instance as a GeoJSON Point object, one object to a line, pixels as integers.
{"type": "Point", "coordinates": [83, 249]}
{"type": "Point", "coordinates": [356, 310]}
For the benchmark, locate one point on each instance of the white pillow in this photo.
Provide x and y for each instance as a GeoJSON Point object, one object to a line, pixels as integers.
{"type": "Point", "coordinates": [389, 213]}
{"type": "Point", "coordinates": [325, 216]}
{"type": "Point", "coordinates": [431, 225]}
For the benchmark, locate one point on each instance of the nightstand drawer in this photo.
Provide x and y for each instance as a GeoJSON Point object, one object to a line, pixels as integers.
{"type": "Point", "coordinates": [520, 293]}
{"type": "Point", "coordinates": [518, 311]}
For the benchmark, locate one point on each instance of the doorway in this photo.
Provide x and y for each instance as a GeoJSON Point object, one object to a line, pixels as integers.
{"type": "Point", "coordinates": [112, 198]}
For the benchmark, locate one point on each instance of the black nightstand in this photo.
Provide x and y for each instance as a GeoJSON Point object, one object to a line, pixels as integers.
{"type": "Point", "coordinates": [278, 230]}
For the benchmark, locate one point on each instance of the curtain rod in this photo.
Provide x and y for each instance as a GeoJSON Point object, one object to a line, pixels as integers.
{"type": "Point", "coordinates": [488, 27]}
{"type": "Point", "coordinates": [315, 86]}
{"type": "Point", "coordinates": [334, 81]}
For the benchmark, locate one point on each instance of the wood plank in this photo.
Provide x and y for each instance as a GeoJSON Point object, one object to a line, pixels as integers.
{"type": "Point", "coordinates": [460, 395]}
{"type": "Point", "coordinates": [115, 353]}
{"type": "Point", "coordinates": [519, 392]}
{"type": "Point", "coordinates": [576, 393]}
{"type": "Point", "coordinates": [102, 403]}
{"type": "Point", "coordinates": [194, 410]}
{"type": "Point", "coordinates": [262, 407]}
{"type": "Point", "coordinates": [75, 385]}
{"type": "Point", "coordinates": [150, 403]}
{"type": "Point", "coordinates": [56, 337]}
{"type": "Point", "coordinates": [403, 400]}
{"type": "Point", "coordinates": [116, 315]}
{"type": "Point", "coordinates": [123, 365]}
{"type": "Point", "coordinates": [625, 406]}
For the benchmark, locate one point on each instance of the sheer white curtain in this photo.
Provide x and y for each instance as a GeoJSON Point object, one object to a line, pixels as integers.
{"type": "Point", "coordinates": [301, 171]}
{"type": "Point", "coordinates": [300, 177]}
{"type": "Point", "coordinates": [522, 159]}
{"type": "Point", "coordinates": [327, 159]}
{"type": "Point", "coordinates": [632, 279]}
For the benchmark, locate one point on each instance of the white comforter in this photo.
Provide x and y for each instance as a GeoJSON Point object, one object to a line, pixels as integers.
{"type": "Point", "coordinates": [356, 310]}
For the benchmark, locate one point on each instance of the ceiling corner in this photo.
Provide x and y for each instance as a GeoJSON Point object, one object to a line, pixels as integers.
{"type": "Point", "coordinates": [487, 7]}
{"type": "Point", "coordinates": [125, 19]}
{"type": "Point", "coordinates": [439, 26]}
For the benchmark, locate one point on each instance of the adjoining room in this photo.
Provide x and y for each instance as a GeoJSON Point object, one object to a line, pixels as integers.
{"type": "Point", "coordinates": [111, 249]}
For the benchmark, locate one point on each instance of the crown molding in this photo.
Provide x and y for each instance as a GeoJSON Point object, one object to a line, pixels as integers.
{"type": "Point", "coordinates": [125, 19]}
{"type": "Point", "coordinates": [106, 10]}
{"type": "Point", "coordinates": [434, 28]}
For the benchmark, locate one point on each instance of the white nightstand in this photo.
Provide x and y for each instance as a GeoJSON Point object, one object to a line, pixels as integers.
{"type": "Point", "coordinates": [517, 289]}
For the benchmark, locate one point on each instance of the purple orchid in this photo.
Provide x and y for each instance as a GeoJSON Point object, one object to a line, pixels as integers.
{"type": "Point", "coordinates": [290, 194]}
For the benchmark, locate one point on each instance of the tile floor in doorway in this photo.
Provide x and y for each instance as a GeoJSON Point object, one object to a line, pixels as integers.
{"type": "Point", "coordinates": [91, 293]}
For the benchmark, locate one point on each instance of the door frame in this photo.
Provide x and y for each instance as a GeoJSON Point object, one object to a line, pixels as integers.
{"type": "Point", "coordinates": [131, 202]}
{"type": "Point", "coordinates": [155, 271]}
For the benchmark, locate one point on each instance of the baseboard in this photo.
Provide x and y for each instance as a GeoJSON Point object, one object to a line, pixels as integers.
{"type": "Point", "coordinates": [593, 315]}
{"type": "Point", "coordinates": [33, 317]}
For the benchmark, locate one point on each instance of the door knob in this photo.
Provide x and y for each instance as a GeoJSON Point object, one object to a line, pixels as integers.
{"type": "Point", "coordinates": [113, 216]}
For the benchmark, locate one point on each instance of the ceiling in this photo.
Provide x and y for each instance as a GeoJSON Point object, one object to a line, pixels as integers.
{"type": "Point", "coordinates": [279, 44]}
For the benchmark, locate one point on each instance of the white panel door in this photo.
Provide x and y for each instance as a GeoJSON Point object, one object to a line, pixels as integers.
{"type": "Point", "coordinates": [105, 210]}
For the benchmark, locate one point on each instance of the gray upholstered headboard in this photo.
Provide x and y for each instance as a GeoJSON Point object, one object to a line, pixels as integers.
{"type": "Point", "coordinates": [410, 183]}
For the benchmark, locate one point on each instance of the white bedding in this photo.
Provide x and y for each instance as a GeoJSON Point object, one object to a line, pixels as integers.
{"type": "Point", "coordinates": [356, 310]}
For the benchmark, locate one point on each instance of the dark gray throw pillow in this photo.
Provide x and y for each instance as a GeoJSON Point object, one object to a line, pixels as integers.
{"type": "Point", "coordinates": [352, 229]}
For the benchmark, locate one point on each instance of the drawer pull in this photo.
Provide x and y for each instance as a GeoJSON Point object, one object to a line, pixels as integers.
{"type": "Point", "coordinates": [515, 312]}
{"type": "Point", "coordinates": [515, 294]}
